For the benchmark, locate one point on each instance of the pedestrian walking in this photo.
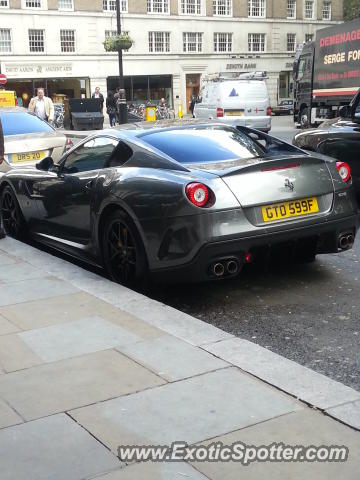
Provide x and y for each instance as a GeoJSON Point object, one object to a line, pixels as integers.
{"type": "Point", "coordinates": [192, 105]}
{"type": "Point", "coordinates": [42, 106]}
{"type": "Point", "coordinates": [2, 153]}
{"type": "Point", "coordinates": [98, 94]}
{"type": "Point", "coordinates": [111, 108]}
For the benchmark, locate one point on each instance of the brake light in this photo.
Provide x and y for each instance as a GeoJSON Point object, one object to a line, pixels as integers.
{"type": "Point", "coordinates": [219, 112]}
{"type": "Point", "coordinates": [198, 194]}
{"type": "Point", "coordinates": [268, 111]}
{"type": "Point", "coordinates": [249, 258]}
{"type": "Point", "coordinates": [68, 144]}
{"type": "Point", "coordinates": [344, 170]}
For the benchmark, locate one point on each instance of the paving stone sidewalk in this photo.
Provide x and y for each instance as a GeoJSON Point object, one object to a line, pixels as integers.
{"type": "Point", "coordinates": [87, 366]}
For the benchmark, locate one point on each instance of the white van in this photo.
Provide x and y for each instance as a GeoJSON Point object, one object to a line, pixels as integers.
{"type": "Point", "coordinates": [244, 101]}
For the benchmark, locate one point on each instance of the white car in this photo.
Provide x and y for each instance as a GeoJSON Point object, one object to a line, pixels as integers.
{"type": "Point", "coordinates": [28, 139]}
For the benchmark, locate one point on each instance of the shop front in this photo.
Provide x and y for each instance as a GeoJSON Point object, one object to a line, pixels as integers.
{"type": "Point", "coordinates": [58, 81]}
{"type": "Point", "coordinates": [286, 83]}
{"type": "Point", "coordinates": [145, 88]}
{"type": "Point", "coordinates": [55, 88]}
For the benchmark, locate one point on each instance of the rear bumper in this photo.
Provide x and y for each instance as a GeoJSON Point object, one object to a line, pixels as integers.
{"type": "Point", "coordinates": [260, 123]}
{"type": "Point", "coordinates": [323, 238]}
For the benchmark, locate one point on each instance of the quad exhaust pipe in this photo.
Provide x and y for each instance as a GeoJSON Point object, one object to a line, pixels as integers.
{"type": "Point", "coordinates": [346, 241]}
{"type": "Point", "coordinates": [225, 267]}
{"type": "Point", "coordinates": [218, 269]}
{"type": "Point", "coordinates": [232, 267]}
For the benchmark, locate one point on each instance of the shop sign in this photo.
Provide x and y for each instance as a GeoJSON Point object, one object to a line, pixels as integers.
{"type": "Point", "coordinates": [241, 66]}
{"type": "Point", "coordinates": [14, 70]}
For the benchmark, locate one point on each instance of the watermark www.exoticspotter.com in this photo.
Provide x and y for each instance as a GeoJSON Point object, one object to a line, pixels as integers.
{"type": "Point", "coordinates": [237, 452]}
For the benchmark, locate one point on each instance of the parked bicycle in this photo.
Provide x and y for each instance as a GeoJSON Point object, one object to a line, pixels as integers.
{"type": "Point", "coordinates": [138, 110]}
{"type": "Point", "coordinates": [59, 115]}
{"type": "Point", "coordinates": [163, 112]}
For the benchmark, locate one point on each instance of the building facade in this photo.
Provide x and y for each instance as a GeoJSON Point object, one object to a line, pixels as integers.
{"type": "Point", "coordinates": [58, 44]}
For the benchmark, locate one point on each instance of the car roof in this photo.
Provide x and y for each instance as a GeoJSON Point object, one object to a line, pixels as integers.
{"type": "Point", "coordinates": [13, 110]}
{"type": "Point", "coordinates": [143, 129]}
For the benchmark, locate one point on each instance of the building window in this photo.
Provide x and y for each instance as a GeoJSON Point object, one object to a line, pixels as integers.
{"type": "Point", "coordinates": [33, 4]}
{"type": "Point", "coordinates": [158, 6]}
{"type": "Point", "coordinates": [5, 40]}
{"type": "Point", "coordinates": [291, 42]}
{"type": "Point", "coordinates": [222, 42]}
{"type": "Point", "coordinates": [291, 9]}
{"type": "Point", "coordinates": [67, 41]}
{"type": "Point", "coordinates": [256, 8]}
{"type": "Point", "coordinates": [309, 9]}
{"type": "Point", "coordinates": [65, 5]}
{"type": "Point", "coordinates": [256, 42]}
{"type": "Point", "coordinates": [326, 11]}
{"type": "Point", "coordinates": [192, 42]}
{"type": "Point", "coordinates": [222, 7]}
{"type": "Point", "coordinates": [4, 3]}
{"type": "Point", "coordinates": [190, 7]}
{"type": "Point", "coordinates": [309, 37]}
{"type": "Point", "coordinates": [159, 42]}
{"type": "Point", "coordinates": [36, 41]}
{"type": "Point", "coordinates": [110, 6]}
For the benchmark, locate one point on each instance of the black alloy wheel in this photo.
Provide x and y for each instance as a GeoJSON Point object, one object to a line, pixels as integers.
{"type": "Point", "coordinates": [123, 251]}
{"type": "Point", "coordinates": [12, 219]}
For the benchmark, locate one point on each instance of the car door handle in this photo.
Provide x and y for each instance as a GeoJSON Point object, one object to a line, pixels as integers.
{"type": "Point", "coordinates": [89, 185]}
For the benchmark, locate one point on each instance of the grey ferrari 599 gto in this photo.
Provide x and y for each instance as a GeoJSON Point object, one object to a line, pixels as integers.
{"type": "Point", "coordinates": [186, 203]}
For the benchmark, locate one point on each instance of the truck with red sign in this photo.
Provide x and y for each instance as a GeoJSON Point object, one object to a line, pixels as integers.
{"type": "Point", "coordinates": [326, 73]}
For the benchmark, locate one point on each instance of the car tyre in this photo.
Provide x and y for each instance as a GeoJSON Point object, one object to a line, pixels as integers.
{"type": "Point", "coordinates": [11, 216]}
{"type": "Point", "coordinates": [123, 251]}
{"type": "Point", "coordinates": [304, 118]}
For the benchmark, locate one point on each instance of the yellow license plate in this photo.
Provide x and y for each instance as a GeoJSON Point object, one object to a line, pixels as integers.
{"type": "Point", "coordinates": [295, 208]}
{"type": "Point", "coordinates": [28, 156]}
{"type": "Point", "coordinates": [234, 114]}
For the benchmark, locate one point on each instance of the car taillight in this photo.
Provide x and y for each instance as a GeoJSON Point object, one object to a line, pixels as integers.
{"type": "Point", "coordinates": [344, 170]}
{"type": "Point", "coordinates": [268, 111]}
{"type": "Point", "coordinates": [219, 112]}
{"type": "Point", "coordinates": [198, 194]}
{"type": "Point", "coordinates": [68, 144]}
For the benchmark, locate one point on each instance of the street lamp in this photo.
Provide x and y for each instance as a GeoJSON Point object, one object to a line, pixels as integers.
{"type": "Point", "coordinates": [122, 97]}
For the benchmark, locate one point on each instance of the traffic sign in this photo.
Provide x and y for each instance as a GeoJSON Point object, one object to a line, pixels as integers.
{"type": "Point", "coordinates": [3, 79]}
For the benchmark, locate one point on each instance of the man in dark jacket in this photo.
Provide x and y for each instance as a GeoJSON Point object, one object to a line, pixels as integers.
{"type": "Point", "coordinates": [2, 153]}
{"type": "Point", "coordinates": [98, 94]}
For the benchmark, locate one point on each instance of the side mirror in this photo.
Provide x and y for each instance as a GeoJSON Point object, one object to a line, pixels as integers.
{"type": "Point", "coordinates": [344, 111]}
{"type": "Point", "coordinates": [45, 164]}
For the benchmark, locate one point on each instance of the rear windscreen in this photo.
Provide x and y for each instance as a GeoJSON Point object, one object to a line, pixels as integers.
{"type": "Point", "coordinates": [19, 123]}
{"type": "Point", "coordinates": [204, 145]}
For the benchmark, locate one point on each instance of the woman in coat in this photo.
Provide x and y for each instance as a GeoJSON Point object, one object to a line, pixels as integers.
{"type": "Point", "coordinates": [111, 108]}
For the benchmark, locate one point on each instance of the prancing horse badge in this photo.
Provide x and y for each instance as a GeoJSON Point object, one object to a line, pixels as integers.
{"type": "Point", "coordinates": [289, 184]}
